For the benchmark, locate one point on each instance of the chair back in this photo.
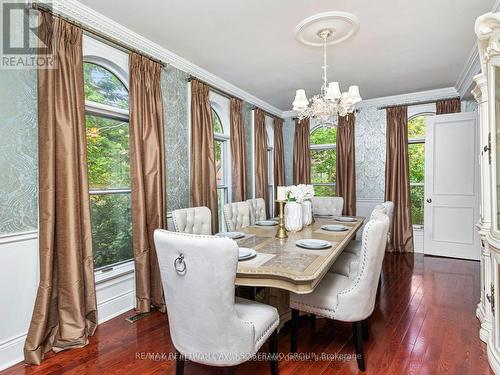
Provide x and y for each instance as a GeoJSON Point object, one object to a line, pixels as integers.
{"type": "Point", "coordinates": [357, 301]}
{"type": "Point", "coordinates": [199, 294]}
{"type": "Point", "coordinates": [194, 220]}
{"type": "Point", "coordinates": [237, 215]}
{"type": "Point", "coordinates": [327, 205]}
{"type": "Point", "coordinates": [257, 210]}
{"type": "Point", "coordinates": [389, 210]}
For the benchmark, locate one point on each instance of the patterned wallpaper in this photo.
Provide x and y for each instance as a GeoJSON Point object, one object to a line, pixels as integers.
{"type": "Point", "coordinates": [18, 151]}
{"type": "Point", "coordinates": [175, 103]}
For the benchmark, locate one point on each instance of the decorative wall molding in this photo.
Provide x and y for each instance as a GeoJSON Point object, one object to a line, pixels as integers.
{"type": "Point", "coordinates": [409, 98]}
{"type": "Point", "coordinates": [466, 78]}
{"type": "Point", "coordinates": [18, 237]}
{"type": "Point", "coordinates": [88, 17]}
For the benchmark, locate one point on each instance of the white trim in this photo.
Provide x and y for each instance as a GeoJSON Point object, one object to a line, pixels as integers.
{"type": "Point", "coordinates": [410, 97]}
{"type": "Point", "coordinates": [91, 19]}
{"type": "Point", "coordinates": [471, 67]}
{"type": "Point", "coordinates": [18, 237]}
{"type": "Point", "coordinates": [11, 351]}
{"type": "Point", "coordinates": [108, 111]}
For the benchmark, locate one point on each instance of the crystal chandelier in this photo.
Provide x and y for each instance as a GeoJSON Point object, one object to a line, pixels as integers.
{"type": "Point", "coordinates": [330, 103]}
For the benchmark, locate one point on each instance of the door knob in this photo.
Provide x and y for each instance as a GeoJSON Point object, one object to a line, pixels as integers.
{"type": "Point", "coordinates": [429, 200]}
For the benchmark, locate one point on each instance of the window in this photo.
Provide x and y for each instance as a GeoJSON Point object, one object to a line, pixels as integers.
{"type": "Point", "coordinates": [416, 161]}
{"type": "Point", "coordinates": [107, 130]}
{"type": "Point", "coordinates": [323, 160]}
{"type": "Point", "coordinates": [221, 146]}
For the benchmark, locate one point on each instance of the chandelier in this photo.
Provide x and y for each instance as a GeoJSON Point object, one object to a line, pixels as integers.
{"type": "Point", "coordinates": [331, 102]}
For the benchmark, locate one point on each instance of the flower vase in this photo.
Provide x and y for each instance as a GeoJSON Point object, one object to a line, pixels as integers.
{"type": "Point", "coordinates": [293, 216]}
{"type": "Point", "coordinates": [306, 212]}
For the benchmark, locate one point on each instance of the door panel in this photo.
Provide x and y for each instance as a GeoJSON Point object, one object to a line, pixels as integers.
{"type": "Point", "coordinates": [451, 189]}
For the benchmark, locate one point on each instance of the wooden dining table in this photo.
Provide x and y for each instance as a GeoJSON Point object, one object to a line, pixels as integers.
{"type": "Point", "coordinates": [280, 263]}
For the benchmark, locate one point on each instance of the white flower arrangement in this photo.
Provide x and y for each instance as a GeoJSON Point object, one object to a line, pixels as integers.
{"type": "Point", "coordinates": [299, 193]}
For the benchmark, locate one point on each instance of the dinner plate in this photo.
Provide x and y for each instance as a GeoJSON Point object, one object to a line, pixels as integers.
{"type": "Point", "coordinates": [346, 219]}
{"type": "Point", "coordinates": [313, 244]}
{"type": "Point", "coordinates": [326, 216]}
{"type": "Point", "coordinates": [335, 228]}
{"type": "Point", "coordinates": [233, 235]}
{"type": "Point", "coordinates": [266, 223]}
{"type": "Point", "coordinates": [245, 253]}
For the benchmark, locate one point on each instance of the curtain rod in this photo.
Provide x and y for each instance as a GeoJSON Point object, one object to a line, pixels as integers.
{"type": "Point", "coordinates": [417, 103]}
{"type": "Point", "coordinates": [266, 113]}
{"type": "Point", "coordinates": [101, 36]}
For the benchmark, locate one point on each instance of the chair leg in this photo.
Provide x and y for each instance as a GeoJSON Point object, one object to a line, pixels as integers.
{"type": "Point", "coordinates": [294, 330]}
{"type": "Point", "coordinates": [366, 335]}
{"type": "Point", "coordinates": [273, 352]}
{"type": "Point", "coordinates": [357, 335]}
{"type": "Point", "coordinates": [230, 370]}
{"type": "Point", "coordinates": [312, 321]}
{"type": "Point", "coordinates": [179, 363]}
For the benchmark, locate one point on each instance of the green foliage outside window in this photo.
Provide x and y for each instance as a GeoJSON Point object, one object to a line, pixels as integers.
{"type": "Point", "coordinates": [416, 161]}
{"type": "Point", "coordinates": [108, 168]}
{"type": "Point", "coordinates": [323, 161]}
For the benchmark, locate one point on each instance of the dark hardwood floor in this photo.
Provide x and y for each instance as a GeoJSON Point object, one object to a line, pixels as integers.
{"type": "Point", "coordinates": [424, 323]}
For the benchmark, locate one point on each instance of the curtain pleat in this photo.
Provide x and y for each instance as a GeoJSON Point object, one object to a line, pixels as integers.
{"type": "Point", "coordinates": [345, 166]}
{"type": "Point", "coordinates": [301, 153]}
{"type": "Point", "coordinates": [279, 154]}
{"type": "Point", "coordinates": [448, 106]}
{"type": "Point", "coordinates": [238, 152]}
{"type": "Point", "coordinates": [261, 162]}
{"type": "Point", "coordinates": [147, 167]}
{"type": "Point", "coordinates": [397, 182]}
{"type": "Point", "coordinates": [65, 312]}
{"type": "Point", "coordinates": [203, 180]}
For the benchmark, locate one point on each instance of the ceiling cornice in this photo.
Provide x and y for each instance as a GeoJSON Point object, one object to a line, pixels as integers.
{"type": "Point", "coordinates": [88, 17]}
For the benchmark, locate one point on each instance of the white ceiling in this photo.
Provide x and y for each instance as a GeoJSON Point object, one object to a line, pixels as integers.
{"type": "Point", "coordinates": [401, 46]}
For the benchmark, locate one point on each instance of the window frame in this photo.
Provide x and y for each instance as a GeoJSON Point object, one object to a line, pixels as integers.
{"type": "Point", "coordinates": [423, 112]}
{"type": "Point", "coordinates": [116, 62]}
{"type": "Point", "coordinates": [321, 147]}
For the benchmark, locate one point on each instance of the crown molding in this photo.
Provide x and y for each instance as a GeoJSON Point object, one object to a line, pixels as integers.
{"type": "Point", "coordinates": [471, 68]}
{"type": "Point", "coordinates": [410, 97]}
{"type": "Point", "coordinates": [88, 17]}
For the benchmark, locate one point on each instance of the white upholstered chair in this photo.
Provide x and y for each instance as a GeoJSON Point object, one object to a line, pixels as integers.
{"type": "Point", "coordinates": [237, 215]}
{"type": "Point", "coordinates": [348, 299]}
{"type": "Point", "coordinates": [348, 261]}
{"type": "Point", "coordinates": [257, 210]}
{"type": "Point", "coordinates": [194, 220]}
{"type": "Point", "coordinates": [207, 324]}
{"type": "Point", "coordinates": [327, 205]}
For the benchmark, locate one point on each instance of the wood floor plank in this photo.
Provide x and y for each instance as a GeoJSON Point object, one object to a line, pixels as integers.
{"type": "Point", "coordinates": [423, 323]}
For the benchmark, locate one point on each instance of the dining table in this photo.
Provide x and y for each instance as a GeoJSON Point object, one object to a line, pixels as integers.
{"type": "Point", "coordinates": [282, 267]}
{"type": "Point", "coordinates": [280, 263]}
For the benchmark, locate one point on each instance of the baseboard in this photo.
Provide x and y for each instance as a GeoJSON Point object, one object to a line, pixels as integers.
{"type": "Point", "coordinates": [11, 351]}
{"type": "Point", "coordinates": [116, 306]}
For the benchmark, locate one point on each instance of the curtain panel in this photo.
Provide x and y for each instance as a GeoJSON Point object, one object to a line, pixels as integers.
{"type": "Point", "coordinates": [203, 179]}
{"type": "Point", "coordinates": [238, 152]}
{"type": "Point", "coordinates": [147, 167]}
{"type": "Point", "coordinates": [301, 153]}
{"type": "Point", "coordinates": [261, 162]}
{"type": "Point", "coordinates": [397, 181]}
{"type": "Point", "coordinates": [65, 312]}
{"type": "Point", "coordinates": [448, 106]}
{"type": "Point", "coordinates": [279, 153]}
{"type": "Point", "coordinates": [346, 166]}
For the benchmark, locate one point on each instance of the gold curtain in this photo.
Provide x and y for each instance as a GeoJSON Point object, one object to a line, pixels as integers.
{"type": "Point", "coordinates": [147, 167]}
{"type": "Point", "coordinates": [261, 171]}
{"type": "Point", "coordinates": [301, 153]}
{"type": "Point", "coordinates": [65, 312]}
{"type": "Point", "coordinates": [279, 155]}
{"type": "Point", "coordinates": [397, 181]}
{"type": "Point", "coordinates": [345, 166]}
{"type": "Point", "coordinates": [448, 106]}
{"type": "Point", "coordinates": [203, 178]}
{"type": "Point", "coordinates": [238, 152]}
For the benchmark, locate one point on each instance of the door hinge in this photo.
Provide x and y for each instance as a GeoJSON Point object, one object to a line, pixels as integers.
{"type": "Point", "coordinates": [487, 148]}
{"type": "Point", "coordinates": [491, 298]}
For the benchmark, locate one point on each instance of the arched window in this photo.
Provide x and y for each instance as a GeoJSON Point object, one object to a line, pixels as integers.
{"type": "Point", "coordinates": [416, 161]}
{"type": "Point", "coordinates": [323, 160]}
{"type": "Point", "coordinates": [222, 166]}
{"type": "Point", "coordinates": [107, 129]}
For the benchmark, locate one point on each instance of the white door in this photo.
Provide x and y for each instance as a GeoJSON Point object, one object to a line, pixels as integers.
{"type": "Point", "coordinates": [451, 188]}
